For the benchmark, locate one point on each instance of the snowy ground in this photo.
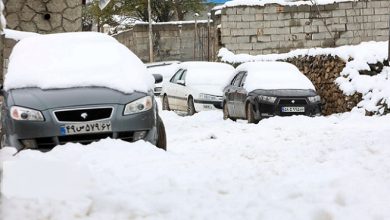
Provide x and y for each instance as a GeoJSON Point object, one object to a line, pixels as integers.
{"type": "Point", "coordinates": [322, 168]}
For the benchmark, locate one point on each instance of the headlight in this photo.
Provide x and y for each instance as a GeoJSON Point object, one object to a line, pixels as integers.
{"type": "Point", "coordinates": [264, 98]}
{"type": "Point", "coordinates": [26, 114]}
{"type": "Point", "coordinates": [314, 99]}
{"type": "Point", "coordinates": [139, 105]}
{"type": "Point", "coordinates": [209, 97]}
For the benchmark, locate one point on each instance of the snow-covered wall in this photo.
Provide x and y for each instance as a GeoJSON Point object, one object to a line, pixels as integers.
{"type": "Point", "coordinates": [278, 28]}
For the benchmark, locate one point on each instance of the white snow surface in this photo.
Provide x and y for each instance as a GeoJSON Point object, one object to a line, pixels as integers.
{"type": "Point", "coordinates": [18, 35]}
{"type": "Point", "coordinates": [286, 168]}
{"type": "Point", "coordinates": [81, 59]}
{"type": "Point", "coordinates": [273, 75]}
{"type": "Point", "coordinates": [235, 3]}
{"type": "Point", "coordinates": [208, 73]}
{"type": "Point", "coordinates": [375, 89]}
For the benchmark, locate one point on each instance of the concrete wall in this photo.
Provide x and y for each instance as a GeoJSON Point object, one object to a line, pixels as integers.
{"type": "Point", "coordinates": [275, 28]}
{"type": "Point", "coordinates": [170, 41]}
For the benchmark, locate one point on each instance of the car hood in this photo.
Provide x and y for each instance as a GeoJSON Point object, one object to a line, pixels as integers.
{"type": "Point", "coordinates": [285, 92]}
{"type": "Point", "coordinates": [55, 98]}
{"type": "Point", "coordinates": [209, 89]}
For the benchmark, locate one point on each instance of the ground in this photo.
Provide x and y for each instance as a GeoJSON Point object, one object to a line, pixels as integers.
{"type": "Point", "coordinates": [321, 168]}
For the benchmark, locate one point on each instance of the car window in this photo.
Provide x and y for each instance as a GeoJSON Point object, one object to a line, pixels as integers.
{"type": "Point", "coordinates": [243, 80]}
{"type": "Point", "coordinates": [183, 76]}
{"type": "Point", "coordinates": [238, 79]}
{"type": "Point", "coordinates": [176, 76]}
{"type": "Point", "coordinates": [234, 79]}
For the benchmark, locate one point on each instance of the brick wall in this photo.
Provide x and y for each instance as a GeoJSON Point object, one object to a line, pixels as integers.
{"type": "Point", "coordinates": [275, 28]}
{"type": "Point", "coordinates": [170, 41]}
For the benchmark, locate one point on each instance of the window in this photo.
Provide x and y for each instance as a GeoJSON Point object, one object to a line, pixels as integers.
{"type": "Point", "coordinates": [238, 78]}
{"type": "Point", "coordinates": [176, 76]}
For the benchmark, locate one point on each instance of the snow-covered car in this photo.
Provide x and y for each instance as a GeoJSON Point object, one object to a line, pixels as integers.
{"type": "Point", "coordinates": [77, 87]}
{"type": "Point", "coordinates": [165, 68]}
{"type": "Point", "coordinates": [264, 89]}
{"type": "Point", "coordinates": [196, 86]}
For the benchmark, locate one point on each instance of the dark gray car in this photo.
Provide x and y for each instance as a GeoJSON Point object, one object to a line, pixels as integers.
{"type": "Point", "coordinates": [88, 87]}
{"type": "Point", "coordinates": [41, 119]}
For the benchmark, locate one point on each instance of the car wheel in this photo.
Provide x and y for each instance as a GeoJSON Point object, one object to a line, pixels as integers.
{"type": "Point", "coordinates": [190, 107]}
{"type": "Point", "coordinates": [165, 104]}
{"type": "Point", "coordinates": [162, 136]}
{"type": "Point", "coordinates": [250, 114]}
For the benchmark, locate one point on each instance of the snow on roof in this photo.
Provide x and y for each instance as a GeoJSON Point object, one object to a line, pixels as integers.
{"type": "Point", "coordinates": [273, 75]}
{"type": "Point", "coordinates": [18, 35]}
{"type": "Point", "coordinates": [235, 3]}
{"type": "Point", "coordinates": [207, 73]}
{"type": "Point", "coordinates": [175, 22]}
{"type": "Point", "coordinates": [76, 60]}
{"type": "Point", "coordinates": [375, 89]}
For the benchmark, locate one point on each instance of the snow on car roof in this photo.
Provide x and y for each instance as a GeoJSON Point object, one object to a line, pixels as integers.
{"type": "Point", "coordinates": [274, 75]}
{"type": "Point", "coordinates": [70, 60]}
{"type": "Point", "coordinates": [208, 73]}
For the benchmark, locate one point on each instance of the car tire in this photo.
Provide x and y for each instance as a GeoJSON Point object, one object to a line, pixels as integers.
{"type": "Point", "coordinates": [165, 103]}
{"type": "Point", "coordinates": [161, 135]}
{"type": "Point", "coordinates": [250, 114]}
{"type": "Point", "coordinates": [190, 107]}
{"type": "Point", "coordinates": [3, 141]}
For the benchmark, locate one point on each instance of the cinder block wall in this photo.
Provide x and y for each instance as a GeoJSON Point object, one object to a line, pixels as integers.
{"type": "Point", "coordinates": [170, 42]}
{"type": "Point", "coordinates": [275, 28]}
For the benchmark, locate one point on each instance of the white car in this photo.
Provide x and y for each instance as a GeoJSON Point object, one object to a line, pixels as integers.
{"type": "Point", "coordinates": [196, 86]}
{"type": "Point", "coordinates": [165, 68]}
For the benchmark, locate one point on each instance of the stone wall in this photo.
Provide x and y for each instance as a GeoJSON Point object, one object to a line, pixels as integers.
{"type": "Point", "coordinates": [170, 41]}
{"type": "Point", "coordinates": [39, 16]}
{"type": "Point", "coordinates": [43, 16]}
{"type": "Point", "coordinates": [275, 28]}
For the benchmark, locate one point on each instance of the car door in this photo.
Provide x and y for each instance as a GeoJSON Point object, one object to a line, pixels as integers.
{"type": "Point", "coordinates": [182, 92]}
{"type": "Point", "coordinates": [240, 98]}
{"type": "Point", "coordinates": [171, 89]}
{"type": "Point", "coordinates": [232, 93]}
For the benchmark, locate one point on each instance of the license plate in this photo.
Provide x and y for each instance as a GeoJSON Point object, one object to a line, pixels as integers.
{"type": "Point", "coordinates": [293, 109]}
{"type": "Point", "coordinates": [85, 128]}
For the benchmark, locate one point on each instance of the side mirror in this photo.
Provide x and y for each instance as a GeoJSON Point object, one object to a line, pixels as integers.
{"type": "Point", "coordinates": [181, 82]}
{"type": "Point", "coordinates": [157, 78]}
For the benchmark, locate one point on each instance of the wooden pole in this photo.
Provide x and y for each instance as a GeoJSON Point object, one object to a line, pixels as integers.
{"type": "Point", "coordinates": [150, 32]}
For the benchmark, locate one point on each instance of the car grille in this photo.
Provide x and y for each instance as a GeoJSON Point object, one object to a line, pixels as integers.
{"type": "Point", "coordinates": [83, 115]}
{"type": "Point", "coordinates": [47, 143]}
{"type": "Point", "coordinates": [292, 102]}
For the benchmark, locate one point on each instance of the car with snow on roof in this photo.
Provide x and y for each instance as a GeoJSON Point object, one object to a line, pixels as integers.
{"type": "Point", "coordinates": [196, 86]}
{"type": "Point", "coordinates": [264, 89]}
{"type": "Point", "coordinates": [77, 87]}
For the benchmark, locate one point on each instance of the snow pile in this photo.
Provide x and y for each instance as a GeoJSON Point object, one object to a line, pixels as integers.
{"type": "Point", "coordinates": [375, 89]}
{"type": "Point", "coordinates": [273, 75]}
{"type": "Point", "coordinates": [235, 3]}
{"type": "Point", "coordinates": [282, 168]}
{"type": "Point", "coordinates": [208, 73]}
{"type": "Point", "coordinates": [76, 60]}
{"type": "Point", "coordinates": [18, 35]}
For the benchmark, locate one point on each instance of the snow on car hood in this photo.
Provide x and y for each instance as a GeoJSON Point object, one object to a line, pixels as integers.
{"type": "Point", "coordinates": [70, 60]}
{"type": "Point", "coordinates": [274, 75]}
